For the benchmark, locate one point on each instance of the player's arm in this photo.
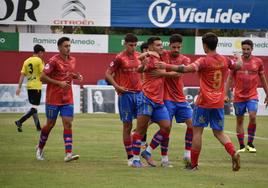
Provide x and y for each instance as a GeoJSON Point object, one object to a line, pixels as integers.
{"type": "Point", "coordinates": [109, 77]}
{"type": "Point", "coordinates": [237, 63]}
{"type": "Point", "coordinates": [22, 76]}
{"type": "Point", "coordinates": [164, 73]}
{"type": "Point", "coordinates": [265, 87]}
{"type": "Point", "coordinates": [176, 68]}
{"type": "Point", "coordinates": [45, 78]}
{"type": "Point", "coordinates": [77, 76]}
{"type": "Point", "coordinates": [143, 65]}
{"type": "Point", "coordinates": [228, 85]}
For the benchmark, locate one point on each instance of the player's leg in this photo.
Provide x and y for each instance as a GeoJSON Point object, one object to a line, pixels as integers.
{"type": "Point", "coordinates": [161, 116]}
{"type": "Point", "coordinates": [141, 129]}
{"type": "Point", "coordinates": [32, 97]}
{"type": "Point", "coordinates": [51, 114]}
{"type": "Point", "coordinates": [35, 115]}
{"type": "Point", "coordinates": [196, 147]}
{"type": "Point", "coordinates": [252, 107]}
{"type": "Point", "coordinates": [165, 127]}
{"type": "Point", "coordinates": [200, 120]}
{"type": "Point", "coordinates": [144, 141]}
{"type": "Point", "coordinates": [137, 101]}
{"type": "Point", "coordinates": [184, 113]}
{"type": "Point", "coordinates": [217, 125]}
{"type": "Point", "coordinates": [67, 113]}
{"type": "Point", "coordinates": [144, 113]}
{"type": "Point", "coordinates": [127, 111]}
{"type": "Point", "coordinates": [127, 126]}
{"type": "Point", "coordinates": [36, 121]}
{"type": "Point", "coordinates": [188, 141]}
{"type": "Point", "coordinates": [240, 109]}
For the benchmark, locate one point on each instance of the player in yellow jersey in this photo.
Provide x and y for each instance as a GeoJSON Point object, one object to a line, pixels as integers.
{"type": "Point", "coordinates": [32, 69]}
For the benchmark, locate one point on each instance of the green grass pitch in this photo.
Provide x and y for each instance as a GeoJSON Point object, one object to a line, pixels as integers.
{"type": "Point", "coordinates": [98, 140]}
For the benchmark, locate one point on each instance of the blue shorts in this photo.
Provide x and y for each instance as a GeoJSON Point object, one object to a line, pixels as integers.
{"type": "Point", "coordinates": [181, 110]}
{"type": "Point", "coordinates": [213, 116]}
{"type": "Point", "coordinates": [157, 111]}
{"type": "Point", "coordinates": [52, 111]}
{"type": "Point", "coordinates": [242, 107]}
{"type": "Point", "coordinates": [128, 105]}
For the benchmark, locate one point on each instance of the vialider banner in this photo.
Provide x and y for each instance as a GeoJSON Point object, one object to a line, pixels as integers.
{"type": "Point", "coordinates": [227, 14]}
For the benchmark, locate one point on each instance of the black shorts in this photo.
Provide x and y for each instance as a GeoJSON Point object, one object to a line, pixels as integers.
{"type": "Point", "coordinates": [34, 96]}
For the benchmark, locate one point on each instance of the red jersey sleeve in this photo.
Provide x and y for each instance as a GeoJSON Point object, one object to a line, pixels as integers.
{"type": "Point", "coordinates": [199, 64]}
{"type": "Point", "coordinates": [49, 67]}
{"type": "Point", "coordinates": [231, 63]}
{"type": "Point", "coordinates": [115, 64]}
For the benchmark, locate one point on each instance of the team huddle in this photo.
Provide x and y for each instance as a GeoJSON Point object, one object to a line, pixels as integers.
{"type": "Point", "coordinates": [150, 88]}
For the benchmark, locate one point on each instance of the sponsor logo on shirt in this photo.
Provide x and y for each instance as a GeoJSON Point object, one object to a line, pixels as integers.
{"type": "Point", "coordinates": [47, 66]}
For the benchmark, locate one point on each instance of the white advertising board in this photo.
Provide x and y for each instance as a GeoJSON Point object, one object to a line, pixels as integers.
{"type": "Point", "coordinates": [229, 45]}
{"type": "Point", "coordinates": [59, 12]}
{"type": "Point", "coordinates": [79, 43]}
{"type": "Point", "coordinates": [9, 102]}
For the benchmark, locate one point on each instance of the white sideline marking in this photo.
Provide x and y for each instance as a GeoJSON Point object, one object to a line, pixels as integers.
{"type": "Point", "coordinates": [255, 137]}
{"type": "Point", "coordinates": [232, 133]}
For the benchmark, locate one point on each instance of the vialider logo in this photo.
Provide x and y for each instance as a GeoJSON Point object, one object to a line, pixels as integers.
{"type": "Point", "coordinates": [166, 14]}
{"type": "Point", "coordinates": [161, 13]}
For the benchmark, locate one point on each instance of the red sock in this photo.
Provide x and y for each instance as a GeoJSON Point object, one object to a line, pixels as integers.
{"type": "Point", "coordinates": [240, 138]}
{"type": "Point", "coordinates": [194, 157]}
{"type": "Point", "coordinates": [136, 143]}
{"type": "Point", "coordinates": [68, 140]}
{"type": "Point", "coordinates": [43, 137]}
{"type": "Point", "coordinates": [229, 147]}
{"type": "Point", "coordinates": [251, 132]}
{"type": "Point", "coordinates": [128, 148]}
{"type": "Point", "coordinates": [188, 138]}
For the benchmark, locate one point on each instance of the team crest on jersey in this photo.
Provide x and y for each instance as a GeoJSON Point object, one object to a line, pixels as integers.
{"type": "Point", "coordinates": [254, 66]}
{"type": "Point", "coordinates": [112, 64]}
{"type": "Point", "coordinates": [202, 119]}
{"type": "Point", "coordinates": [47, 66]}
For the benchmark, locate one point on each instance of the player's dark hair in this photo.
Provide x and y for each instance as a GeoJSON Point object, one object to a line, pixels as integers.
{"type": "Point", "coordinates": [144, 46]}
{"type": "Point", "coordinates": [152, 39]}
{"type": "Point", "coordinates": [248, 42]}
{"type": "Point", "coordinates": [38, 48]}
{"type": "Point", "coordinates": [211, 40]}
{"type": "Point", "coordinates": [175, 38]}
{"type": "Point", "coordinates": [130, 37]}
{"type": "Point", "coordinates": [62, 40]}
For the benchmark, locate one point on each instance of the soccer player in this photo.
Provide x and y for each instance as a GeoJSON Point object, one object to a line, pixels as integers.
{"type": "Point", "coordinates": [209, 109]}
{"type": "Point", "coordinates": [59, 74]}
{"type": "Point", "coordinates": [245, 93]}
{"type": "Point", "coordinates": [151, 108]}
{"type": "Point", "coordinates": [174, 98]}
{"type": "Point", "coordinates": [32, 69]}
{"type": "Point", "coordinates": [144, 47]}
{"type": "Point", "coordinates": [123, 75]}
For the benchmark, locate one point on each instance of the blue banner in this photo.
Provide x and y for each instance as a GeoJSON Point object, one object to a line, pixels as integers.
{"type": "Point", "coordinates": [229, 14]}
